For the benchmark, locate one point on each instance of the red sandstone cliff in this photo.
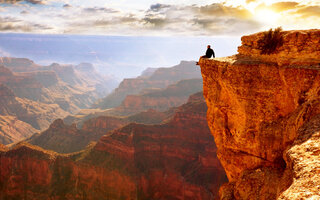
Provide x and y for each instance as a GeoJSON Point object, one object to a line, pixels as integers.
{"type": "Point", "coordinates": [263, 110]}
{"type": "Point", "coordinates": [174, 160]}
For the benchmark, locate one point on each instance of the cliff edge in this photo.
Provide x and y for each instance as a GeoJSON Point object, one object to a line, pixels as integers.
{"type": "Point", "coordinates": [264, 112]}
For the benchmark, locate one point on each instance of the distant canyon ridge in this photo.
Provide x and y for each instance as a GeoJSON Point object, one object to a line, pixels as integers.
{"type": "Point", "coordinates": [33, 96]}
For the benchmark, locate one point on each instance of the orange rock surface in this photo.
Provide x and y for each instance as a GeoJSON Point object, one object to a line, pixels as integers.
{"type": "Point", "coordinates": [259, 105]}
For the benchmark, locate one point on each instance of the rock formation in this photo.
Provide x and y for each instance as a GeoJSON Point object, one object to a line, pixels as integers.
{"type": "Point", "coordinates": [156, 79]}
{"type": "Point", "coordinates": [173, 160]}
{"type": "Point", "coordinates": [33, 96]}
{"type": "Point", "coordinates": [263, 110]}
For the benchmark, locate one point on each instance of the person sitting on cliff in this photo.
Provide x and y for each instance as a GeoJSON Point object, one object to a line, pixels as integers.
{"type": "Point", "coordinates": [209, 53]}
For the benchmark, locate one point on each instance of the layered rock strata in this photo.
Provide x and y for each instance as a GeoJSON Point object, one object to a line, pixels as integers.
{"type": "Point", "coordinates": [173, 160]}
{"type": "Point", "coordinates": [263, 111]}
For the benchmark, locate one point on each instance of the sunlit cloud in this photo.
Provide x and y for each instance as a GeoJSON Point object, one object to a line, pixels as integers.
{"type": "Point", "coordinates": [163, 17]}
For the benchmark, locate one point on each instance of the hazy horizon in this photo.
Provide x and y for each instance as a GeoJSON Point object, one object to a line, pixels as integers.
{"type": "Point", "coordinates": [119, 56]}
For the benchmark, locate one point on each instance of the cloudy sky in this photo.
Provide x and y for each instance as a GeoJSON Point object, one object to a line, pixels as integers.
{"type": "Point", "coordinates": [156, 17]}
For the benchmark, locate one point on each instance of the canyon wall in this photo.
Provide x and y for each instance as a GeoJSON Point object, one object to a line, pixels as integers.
{"type": "Point", "coordinates": [263, 110]}
{"type": "Point", "coordinates": [172, 160]}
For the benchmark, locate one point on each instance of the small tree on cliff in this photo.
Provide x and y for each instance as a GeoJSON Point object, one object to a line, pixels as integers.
{"type": "Point", "coordinates": [271, 40]}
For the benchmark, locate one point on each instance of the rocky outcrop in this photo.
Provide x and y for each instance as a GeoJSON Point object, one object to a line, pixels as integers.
{"type": "Point", "coordinates": [174, 160]}
{"type": "Point", "coordinates": [157, 79]}
{"type": "Point", "coordinates": [262, 111]}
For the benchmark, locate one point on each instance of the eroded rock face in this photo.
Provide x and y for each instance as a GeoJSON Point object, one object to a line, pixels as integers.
{"type": "Point", "coordinates": [174, 160]}
{"type": "Point", "coordinates": [257, 104]}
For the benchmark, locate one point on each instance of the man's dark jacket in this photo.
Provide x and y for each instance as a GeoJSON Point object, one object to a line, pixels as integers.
{"type": "Point", "coordinates": [209, 53]}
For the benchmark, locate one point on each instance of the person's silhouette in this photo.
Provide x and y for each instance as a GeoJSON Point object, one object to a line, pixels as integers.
{"type": "Point", "coordinates": [209, 53]}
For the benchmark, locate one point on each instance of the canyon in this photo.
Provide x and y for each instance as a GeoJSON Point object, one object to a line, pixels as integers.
{"type": "Point", "coordinates": [172, 160]}
{"type": "Point", "coordinates": [263, 110]}
{"type": "Point", "coordinates": [155, 144]}
{"type": "Point", "coordinates": [33, 96]}
{"type": "Point", "coordinates": [252, 133]}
